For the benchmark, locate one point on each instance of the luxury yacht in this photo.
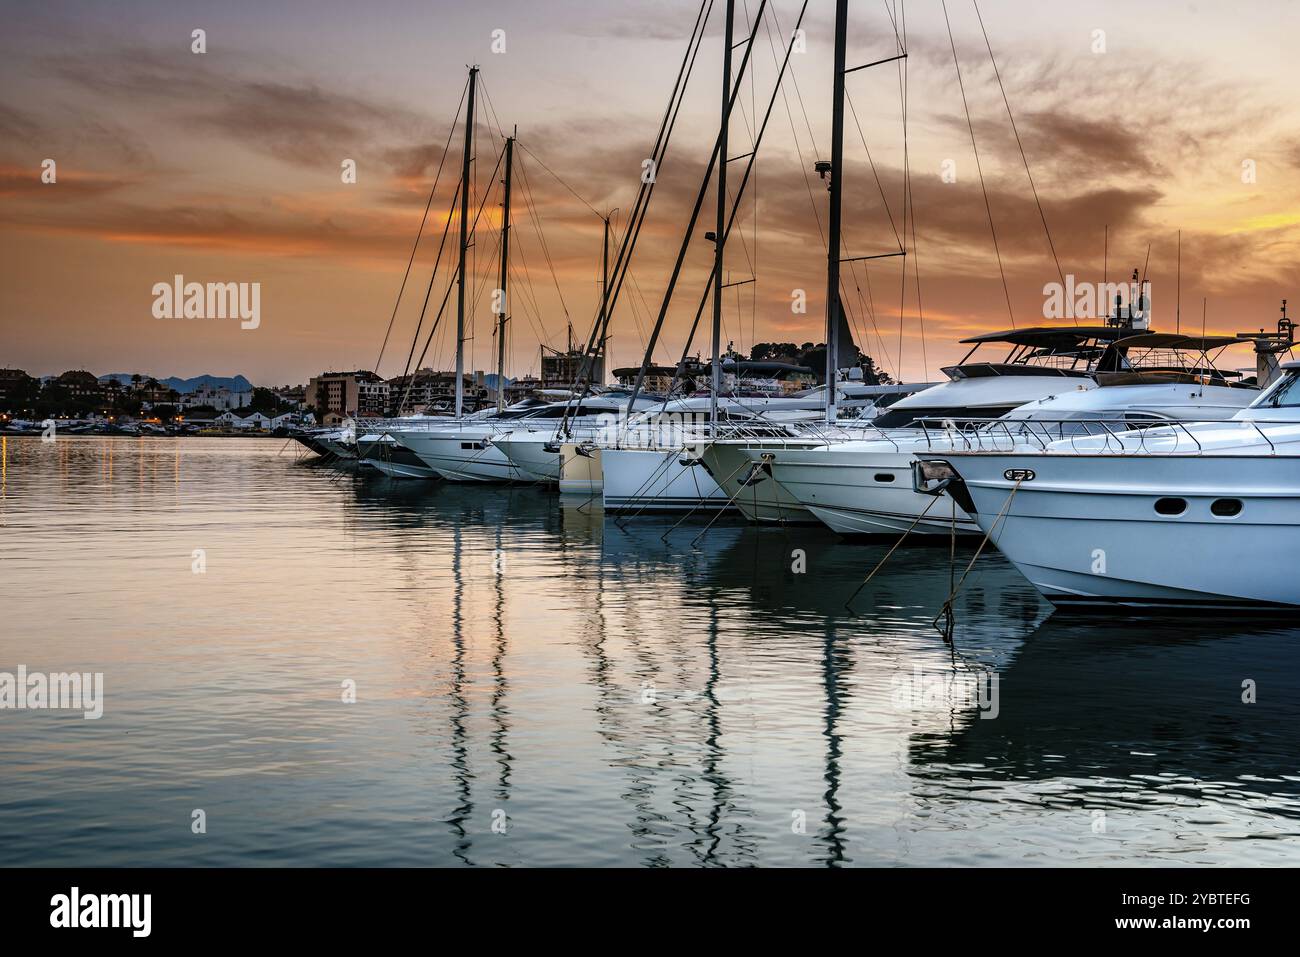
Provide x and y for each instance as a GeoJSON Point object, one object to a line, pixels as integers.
{"type": "Point", "coordinates": [654, 465]}
{"type": "Point", "coordinates": [381, 446]}
{"type": "Point", "coordinates": [1181, 516]}
{"type": "Point", "coordinates": [332, 442]}
{"type": "Point", "coordinates": [538, 447]}
{"type": "Point", "coordinates": [381, 452]}
{"type": "Point", "coordinates": [1040, 362]}
{"type": "Point", "coordinates": [468, 449]}
{"type": "Point", "coordinates": [864, 487]}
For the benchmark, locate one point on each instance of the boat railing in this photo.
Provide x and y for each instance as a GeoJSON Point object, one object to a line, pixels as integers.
{"type": "Point", "coordinates": [1102, 436]}
{"type": "Point", "coordinates": [437, 424]}
{"type": "Point", "coordinates": [1098, 435]}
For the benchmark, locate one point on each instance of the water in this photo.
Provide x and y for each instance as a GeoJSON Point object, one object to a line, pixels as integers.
{"type": "Point", "coordinates": [608, 695]}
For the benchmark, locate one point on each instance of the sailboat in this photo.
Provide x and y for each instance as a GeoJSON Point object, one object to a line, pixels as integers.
{"type": "Point", "coordinates": [458, 447]}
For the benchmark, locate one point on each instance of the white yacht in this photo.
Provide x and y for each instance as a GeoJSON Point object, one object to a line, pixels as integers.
{"type": "Point", "coordinates": [1177, 517]}
{"type": "Point", "coordinates": [538, 446]}
{"type": "Point", "coordinates": [653, 470]}
{"type": "Point", "coordinates": [383, 453]}
{"type": "Point", "coordinates": [654, 466]}
{"type": "Point", "coordinates": [864, 487]}
{"type": "Point", "coordinates": [461, 449]}
{"type": "Point", "coordinates": [331, 442]}
{"type": "Point", "coordinates": [473, 449]}
{"type": "Point", "coordinates": [1040, 362]}
{"type": "Point", "coordinates": [387, 444]}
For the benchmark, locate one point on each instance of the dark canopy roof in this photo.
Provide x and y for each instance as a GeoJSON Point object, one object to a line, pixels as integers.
{"type": "Point", "coordinates": [1171, 340]}
{"type": "Point", "coordinates": [1052, 337]}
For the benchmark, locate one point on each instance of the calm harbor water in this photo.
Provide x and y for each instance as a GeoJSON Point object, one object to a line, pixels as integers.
{"type": "Point", "coordinates": [538, 685]}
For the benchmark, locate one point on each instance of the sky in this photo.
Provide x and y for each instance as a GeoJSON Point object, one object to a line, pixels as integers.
{"type": "Point", "coordinates": [1156, 135]}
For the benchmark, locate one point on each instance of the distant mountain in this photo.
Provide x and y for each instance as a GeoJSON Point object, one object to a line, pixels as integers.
{"type": "Point", "coordinates": [233, 383]}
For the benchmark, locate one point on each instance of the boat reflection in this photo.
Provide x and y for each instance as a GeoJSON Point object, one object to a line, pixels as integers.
{"type": "Point", "coordinates": [1184, 711]}
{"type": "Point", "coordinates": [687, 646]}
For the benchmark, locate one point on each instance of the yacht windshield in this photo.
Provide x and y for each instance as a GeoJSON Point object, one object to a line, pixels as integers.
{"type": "Point", "coordinates": [1282, 394]}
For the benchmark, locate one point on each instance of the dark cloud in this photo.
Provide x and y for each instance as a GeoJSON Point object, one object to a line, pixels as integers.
{"type": "Point", "coordinates": [70, 135]}
{"type": "Point", "coordinates": [298, 121]}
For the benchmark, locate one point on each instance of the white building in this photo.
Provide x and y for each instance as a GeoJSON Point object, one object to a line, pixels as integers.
{"type": "Point", "coordinates": [219, 399]}
{"type": "Point", "coordinates": [254, 420]}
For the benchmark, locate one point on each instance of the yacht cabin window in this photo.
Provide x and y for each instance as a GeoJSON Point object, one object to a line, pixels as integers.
{"type": "Point", "coordinates": [1282, 394]}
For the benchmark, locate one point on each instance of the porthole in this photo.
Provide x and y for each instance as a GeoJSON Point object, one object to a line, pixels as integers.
{"type": "Point", "coordinates": [1226, 507]}
{"type": "Point", "coordinates": [1171, 506]}
{"type": "Point", "coordinates": [884, 476]}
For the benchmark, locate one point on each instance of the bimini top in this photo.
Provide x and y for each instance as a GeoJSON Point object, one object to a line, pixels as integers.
{"type": "Point", "coordinates": [1069, 351]}
{"type": "Point", "coordinates": [1164, 358]}
{"type": "Point", "coordinates": [1171, 340]}
{"type": "Point", "coordinates": [1052, 337]}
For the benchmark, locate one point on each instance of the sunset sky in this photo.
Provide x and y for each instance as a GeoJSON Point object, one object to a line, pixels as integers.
{"type": "Point", "coordinates": [225, 166]}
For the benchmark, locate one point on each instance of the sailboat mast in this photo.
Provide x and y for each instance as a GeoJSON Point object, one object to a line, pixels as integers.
{"type": "Point", "coordinates": [464, 244]}
{"type": "Point", "coordinates": [833, 229]}
{"type": "Point", "coordinates": [721, 228]}
{"type": "Point", "coordinates": [505, 261]}
{"type": "Point", "coordinates": [604, 277]}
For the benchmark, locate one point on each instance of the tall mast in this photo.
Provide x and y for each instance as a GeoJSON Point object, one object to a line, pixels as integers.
{"type": "Point", "coordinates": [505, 260]}
{"type": "Point", "coordinates": [721, 228]}
{"type": "Point", "coordinates": [464, 245]}
{"type": "Point", "coordinates": [604, 277]}
{"type": "Point", "coordinates": [833, 232]}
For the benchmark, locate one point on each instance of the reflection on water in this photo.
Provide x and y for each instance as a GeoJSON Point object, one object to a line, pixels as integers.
{"type": "Point", "coordinates": [536, 685]}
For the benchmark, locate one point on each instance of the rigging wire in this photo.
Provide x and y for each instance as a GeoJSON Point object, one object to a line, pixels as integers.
{"type": "Point", "coordinates": [451, 214]}
{"type": "Point", "coordinates": [777, 87]}
{"type": "Point", "coordinates": [1023, 158]}
{"type": "Point", "coordinates": [907, 166]}
{"type": "Point", "coordinates": [644, 193]}
{"type": "Point", "coordinates": [845, 303]}
{"type": "Point", "coordinates": [1006, 290]}
{"type": "Point", "coordinates": [536, 219]}
{"type": "Point", "coordinates": [556, 177]}
{"type": "Point", "coordinates": [420, 232]}
{"type": "Point", "coordinates": [640, 208]}
{"type": "Point", "coordinates": [874, 172]}
{"type": "Point", "coordinates": [450, 285]}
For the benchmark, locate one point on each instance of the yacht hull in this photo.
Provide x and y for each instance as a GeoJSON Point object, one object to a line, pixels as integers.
{"type": "Point", "coordinates": [581, 474]}
{"type": "Point", "coordinates": [403, 470]}
{"type": "Point", "coordinates": [338, 449]}
{"type": "Point", "coordinates": [389, 458]}
{"type": "Point", "coordinates": [461, 455]}
{"type": "Point", "coordinates": [310, 444]}
{"type": "Point", "coordinates": [1085, 529]}
{"type": "Point", "coordinates": [760, 499]}
{"type": "Point", "coordinates": [865, 492]}
{"type": "Point", "coordinates": [527, 452]}
{"type": "Point", "coordinates": [653, 480]}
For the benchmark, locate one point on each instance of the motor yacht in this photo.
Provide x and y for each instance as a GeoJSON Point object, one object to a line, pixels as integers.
{"type": "Point", "coordinates": [1039, 362]}
{"type": "Point", "coordinates": [864, 487]}
{"type": "Point", "coordinates": [1172, 517]}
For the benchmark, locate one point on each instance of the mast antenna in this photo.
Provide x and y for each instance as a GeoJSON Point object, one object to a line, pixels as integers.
{"type": "Point", "coordinates": [1178, 305]}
